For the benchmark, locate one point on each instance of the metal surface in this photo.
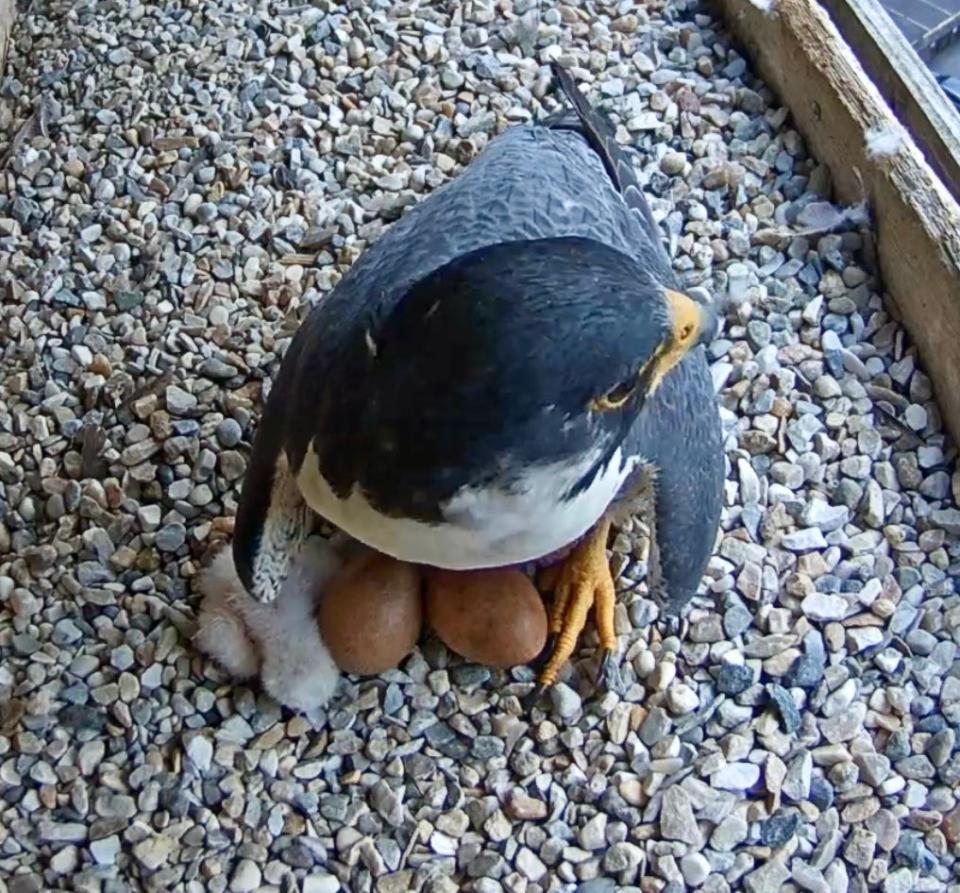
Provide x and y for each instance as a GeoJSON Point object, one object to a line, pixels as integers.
{"type": "Point", "coordinates": [933, 29]}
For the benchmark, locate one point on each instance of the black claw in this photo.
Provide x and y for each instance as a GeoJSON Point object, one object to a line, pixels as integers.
{"type": "Point", "coordinates": [545, 652]}
{"type": "Point", "coordinates": [672, 624]}
{"type": "Point", "coordinates": [608, 675]}
{"type": "Point", "coordinates": [531, 699]}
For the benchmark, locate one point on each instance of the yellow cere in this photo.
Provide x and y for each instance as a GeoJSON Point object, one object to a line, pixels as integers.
{"type": "Point", "coordinates": [687, 318]}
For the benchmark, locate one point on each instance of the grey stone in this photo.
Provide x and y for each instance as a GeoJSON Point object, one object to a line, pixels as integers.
{"type": "Point", "coordinates": [821, 606]}
{"type": "Point", "coordinates": [736, 777]}
{"type": "Point", "coordinates": [62, 832]}
{"type": "Point", "coordinates": [805, 672]}
{"type": "Point", "coordinates": [387, 803]}
{"type": "Point", "coordinates": [566, 701]}
{"type": "Point", "coordinates": [200, 753]}
{"type": "Point", "coordinates": [901, 880]}
{"type": "Point", "coordinates": [821, 793]}
{"type": "Point", "coordinates": [229, 433]}
{"type": "Point", "coordinates": [804, 540]}
{"type": "Point", "coordinates": [777, 830]}
{"type": "Point", "coordinates": [655, 726]}
{"type": "Point", "coordinates": [916, 767]}
{"type": "Point", "coordinates": [180, 402]}
{"type": "Point", "coordinates": [736, 620]}
{"type": "Point", "coordinates": [768, 878]}
{"type": "Point", "coordinates": [732, 679]}
{"type": "Point", "coordinates": [246, 877]}
{"type": "Point", "coordinates": [729, 833]}
{"type": "Point", "coordinates": [695, 869]}
{"type": "Point", "coordinates": [785, 707]}
{"type": "Point", "coordinates": [677, 821]}
{"type": "Point", "coordinates": [171, 537]}
{"type": "Point", "coordinates": [796, 783]}
{"type": "Point", "coordinates": [622, 856]}
{"type": "Point", "coordinates": [845, 724]}
{"type": "Point", "coordinates": [825, 516]}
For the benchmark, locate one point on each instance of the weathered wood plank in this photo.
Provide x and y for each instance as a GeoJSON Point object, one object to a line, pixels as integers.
{"type": "Point", "coordinates": [906, 83]}
{"type": "Point", "coordinates": [8, 12]}
{"type": "Point", "coordinates": [797, 49]}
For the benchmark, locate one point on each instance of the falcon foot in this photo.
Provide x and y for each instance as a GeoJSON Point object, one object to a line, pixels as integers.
{"type": "Point", "coordinates": [582, 580]}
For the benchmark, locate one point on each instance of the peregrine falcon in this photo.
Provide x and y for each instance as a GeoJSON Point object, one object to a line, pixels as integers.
{"type": "Point", "coordinates": [509, 369]}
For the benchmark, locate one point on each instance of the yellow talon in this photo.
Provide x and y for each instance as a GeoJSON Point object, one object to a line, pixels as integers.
{"type": "Point", "coordinates": [582, 580]}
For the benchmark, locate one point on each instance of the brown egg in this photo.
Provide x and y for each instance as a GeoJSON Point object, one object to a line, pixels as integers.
{"type": "Point", "coordinates": [371, 616]}
{"type": "Point", "coordinates": [493, 617]}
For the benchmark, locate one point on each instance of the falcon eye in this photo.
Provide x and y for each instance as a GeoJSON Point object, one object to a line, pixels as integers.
{"type": "Point", "coordinates": [617, 396]}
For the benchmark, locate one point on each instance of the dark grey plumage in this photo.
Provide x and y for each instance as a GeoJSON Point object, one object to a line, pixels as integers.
{"type": "Point", "coordinates": [563, 179]}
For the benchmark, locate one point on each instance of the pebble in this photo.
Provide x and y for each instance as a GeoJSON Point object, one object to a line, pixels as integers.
{"type": "Point", "coordinates": [229, 433]}
{"type": "Point", "coordinates": [805, 540]}
{"type": "Point", "coordinates": [200, 753]}
{"type": "Point", "coordinates": [845, 724]}
{"type": "Point", "coordinates": [673, 163]}
{"type": "Point", "coordinates": [320, 883]}
{"type": "Point", "coordinates": [823, 607]}
{"type": "Point", "coordinates": [592, 836]}
{"type": "Point", "coordinates": [821, 793]}
{"type": "Point", "coordinates": [63, 832]}
{"type": "Point", "coordinates": [732, 679]}
{"type": "Point", "coordinates": [737, 620]}
{"type": "Point", "coordinates": [246, 878]}
{"type": "Point", "coordinates": [768, 878]}
{"type": "Point", "coordinates": [655, 726]}
{"type": "Point", "coordinates": [695, 869]}
{"type": "Point", "coordinates": [152, 852]}
{"type": "Point", "coordinates": [799, 777]}
{"type": "Point", "coordinates": [387, 803]}
{"type": "Point", "coordinates": [566, 701]}
{"type": "Point", "coordinates": [808, 878]}
{"type": "Point", "coordinates": [677, 821]}
{"type": "Point", "coordinates": [529, 865]}
{"type": "Point", "coordinates": [171, 537]}
{"type": "Point", "coordinates": [777, 830]}
{"type": "Point", "coordinates": [105, 850]}
{"type": "Point", "coordinates": [180, 402]}
{"type": "Point", "coordinates": [864, 638]}
{"type": "Point", "coordinates": [682, 699]}
{"type": "Point", "coordinates": [899, 881]}
{"type": "Point", "coordinates": [785, 707]}
{"type": "Point", "coordinates": [736, 777]}
{"type": "Point", "coordinates": [622, 856]}
{"type": "Point", "coordinates": [860, 847]}
{"type": "Point", "coordinates": [806, 671]}
{"type": "Point", "coordinates": [729, 833]}
{"type": "Point", "coordinates": [164, 247]}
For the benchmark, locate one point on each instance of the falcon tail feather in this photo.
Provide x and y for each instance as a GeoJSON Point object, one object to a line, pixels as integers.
{"type": "Point", "coordinates": [595, 126]}
{"type": "Point", "coordinates": [600, 134]}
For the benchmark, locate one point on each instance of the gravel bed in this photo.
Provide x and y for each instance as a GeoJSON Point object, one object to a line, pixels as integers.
{"type": "Point", "coordinates": [183, 181]}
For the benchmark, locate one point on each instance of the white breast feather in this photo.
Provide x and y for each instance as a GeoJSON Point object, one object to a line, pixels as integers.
{"type": "Point", "coordinates": [485, 527]}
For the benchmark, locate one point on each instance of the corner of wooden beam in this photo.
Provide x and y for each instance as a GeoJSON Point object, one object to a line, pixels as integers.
{"type": "Point", "coordinates": [8, 13]}
{"type": "Point", "coordinates": [848, 125]}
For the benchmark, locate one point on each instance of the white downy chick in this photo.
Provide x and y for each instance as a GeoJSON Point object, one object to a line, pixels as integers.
{"type": "Point", "coordinates": [280, 641]}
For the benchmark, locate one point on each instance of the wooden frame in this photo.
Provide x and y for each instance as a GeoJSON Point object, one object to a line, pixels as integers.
{"type": "Point", "coordinates": [905, 82]}
{"type": "Point", "coordinates": [834, 105]}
